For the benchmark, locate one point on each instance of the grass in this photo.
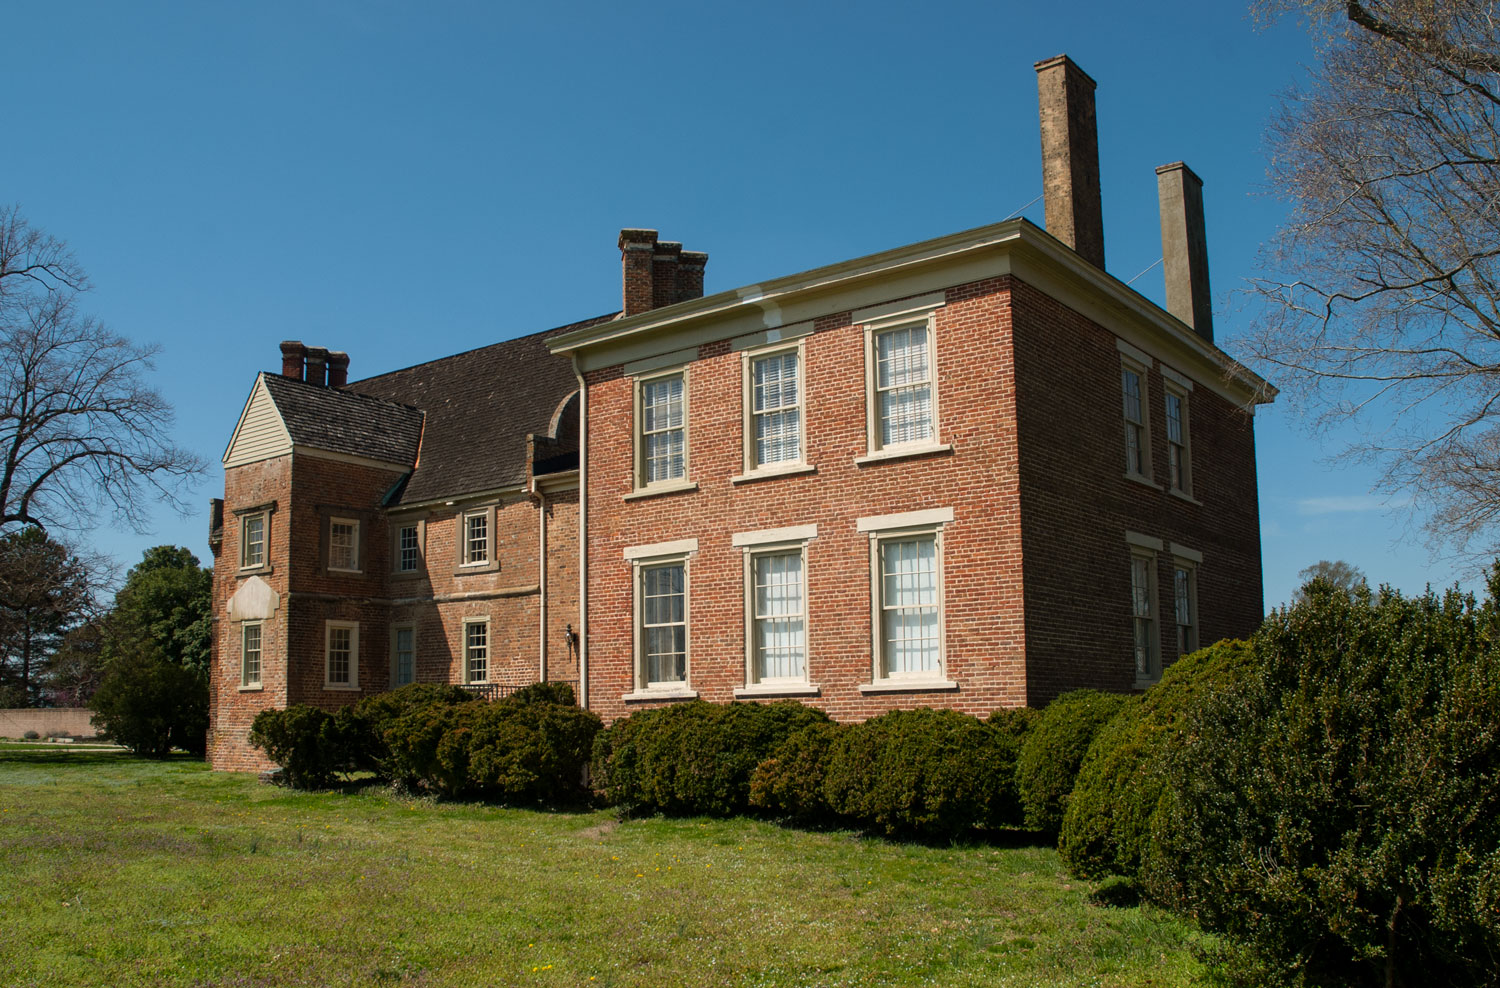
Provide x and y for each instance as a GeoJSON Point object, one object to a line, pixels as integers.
{"type": "Point", "coordinates": [123, 872]}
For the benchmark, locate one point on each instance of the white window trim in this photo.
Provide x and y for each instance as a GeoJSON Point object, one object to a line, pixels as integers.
{"type": "Point", "coordinates": [465, 560]}
{"type": "Point", "coordinates": [753, 470]}
{"type": "Point", "coordinates": [353, 683]}
{"type": "Point", "coordinates": [489, 649]}
{"type": "Point", "coordinates": [1142, 371]}
{"type": "Point", "coordinates": [358, 566]}
{"type": "Point", "coordinates": [397, 528]}
{"type": "Point", "coordinates": [638, 438]}
{"type": "Point", "coordinates": [644, 557]}
{"type": "Point", "coordinates": [246, 684]}
{"type": "Point", "coordinates": [1181, 562]}
{"type": "Point", "coordinates": [770, 542]}
{"type": "Point", "coordinates": [1173, 390]}
{"type": "Point", "coordinates": [397, 627]}
{"type": "Point", "coordinates": [883, 528]}
{"type": "Point", "coordinates": [1153, 658]}
{"type": "Point", "coordinates": [265, 541]}
{"type": "Point", "coordinates": [874, 451]}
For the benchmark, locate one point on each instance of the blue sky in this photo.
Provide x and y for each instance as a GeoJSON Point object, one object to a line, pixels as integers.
{"type": "Point", "coordinates": [404, 181]}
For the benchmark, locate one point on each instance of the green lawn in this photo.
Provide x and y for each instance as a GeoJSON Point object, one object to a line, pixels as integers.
{"type": "Point", "coordinates": [121, 872]}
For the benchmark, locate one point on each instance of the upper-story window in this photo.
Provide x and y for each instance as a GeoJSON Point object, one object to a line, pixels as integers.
{"type": "Point", "coordinates": [775, 409]}
{"type": "Point", "coordinates": [408, 547]}
{"type": "Point", "coordinates": [253, 540]}
{"type": "Point", "coordinates": [476, 538]}
{"type": "Point", "coordinates": [662, 422]}
{"type": "Point", "coordinates": [905, 413]}
{"type": "Point", "coordinates": [1179, 465]}
{"type": "Point", "coordinates": [343, 544]}
{"type": "Point", "coordinates": [1137, 435]}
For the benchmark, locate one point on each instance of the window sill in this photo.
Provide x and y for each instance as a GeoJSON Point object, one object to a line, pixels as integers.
{"type": "Point", "coordinates": [257, 688]}
{"type": "Point", "coordinates": [351, 572]}
{"type": "Point", "coordinates": [910, 686]}
{"type": "Point", "coordinates": [253, 571]}
{"type": "Point", "coordinates": [673, 694]}
{"type": "Point", "coordinates": [340, 688]}
{"type": "Point", "coordinates": [1142, 684]}
{"type": "Point", "coordinates": [475, 569]}
{"type": "Point", "coordinates": [1143, 481]}
{"type": "Point", "coordinates": [902, 452]}
{"type": "Point", "coordinates": [1183, 496]}
{"type": "Point", "coordinates": [767, 473]}
{"type": "Point", "coordinates": [779, 689]}
{"type": "Point", "coordinates": [673, 487]}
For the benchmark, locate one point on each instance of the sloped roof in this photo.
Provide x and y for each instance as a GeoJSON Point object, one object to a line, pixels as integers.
{"type": "Point", "coordinates": [341, 421]}
{"type": "Point", "coordinates": [480, 406]}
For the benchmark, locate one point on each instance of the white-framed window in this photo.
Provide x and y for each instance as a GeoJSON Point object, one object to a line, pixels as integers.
{"type": "Point", "coordinates": [403, 654]}
{"type": "Point", "coordinates": [1146, 641]}
{"type": "Point", "coordinates": [476, 650]}
{"type": "Point", "coordinates": [408, 547]}
{"type": "Point", "coordinates": [254, 540]}
{"type": "Point", "coordinates": [903, 390]}
{"type": "Point", "coordinates": [476, 538]}
{"type": "Point", "coordinates": [664, 624]}
{"type": "Point", "coordinates": [1185, 605]}
{"type": "Point", "coordinates": [661, 429]}
{"type": "Point", "coordinates": [343, 544]}
{"type": "Point", "coordinates": [1133, 380]}
{"type": "Point", "coordinates": [250, 654]}
{"type": "Point", "coordinates": [778, 605]}
{"type": "Point", "coordinates": [341, 655]}
{"type": "Point", "coordinates": [773, 409]}
{"type": "Point", "coordinates": [906, 598]}
{"type": "Point", "coordinates": [1179, 464]}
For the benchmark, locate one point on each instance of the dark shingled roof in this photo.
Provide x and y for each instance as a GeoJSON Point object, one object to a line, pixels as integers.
{"type": "Point", "coordinates": [480, 406]}
{"type": "Point", "coordinates": [345, 422]}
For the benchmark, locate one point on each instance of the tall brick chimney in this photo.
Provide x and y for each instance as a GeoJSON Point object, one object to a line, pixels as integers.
{"type": "Point", "coordinates": [292, 355]}
{"type": "Point", "coordinates": [1184, 247]}
{"type": "Point", "coordinates": [317, 363]}
{"type": "Point", "coordinates": [338, 368]}
{"type": "Point", "coordinates": [657, 273]}
{"type": "Point", "coordinates": [1070, 157]}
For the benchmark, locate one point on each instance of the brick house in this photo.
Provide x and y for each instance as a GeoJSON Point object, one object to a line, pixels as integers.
{"type": "Point", "coordinates": [971, 472]}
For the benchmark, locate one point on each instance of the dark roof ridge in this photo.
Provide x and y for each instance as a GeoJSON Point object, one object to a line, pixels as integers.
{"type": "Point", "coordinates": [580, 324]}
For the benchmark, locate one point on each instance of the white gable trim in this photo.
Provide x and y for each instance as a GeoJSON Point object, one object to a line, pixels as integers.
{"type": "Point", "coordinates": [261, 432]}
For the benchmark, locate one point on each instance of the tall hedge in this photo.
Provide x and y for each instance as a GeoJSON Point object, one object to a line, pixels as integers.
{"type": "Point", "coordinates": [924, 772]}
{"type": "Point", "coordinates": [1106, 827]}
{"type": "Point", "coordinates": [790, 783]}
{"type": "Point", "coordinates": [1340, 814]}
{"type": "Point", "coordinates": [1053, 750]}
{"type": "Point", "coordinates": [692, 758]}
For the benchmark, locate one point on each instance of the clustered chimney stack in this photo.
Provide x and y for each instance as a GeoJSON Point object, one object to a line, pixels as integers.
{"type": "Point", "coordinates": [1184, 247]}
{"type": "Point", "coordinates": [314, 364]}
{"type": "Point", "coordinates": [1070, 157]}
{"type": "Point", "coordinates": [292, 355]}
{"type": "Point", "coordinates": [317, 366]}
{"type": "Point", "coordinates": [338, 369]}
{"type": "Point", "coordinates": [657, 273]}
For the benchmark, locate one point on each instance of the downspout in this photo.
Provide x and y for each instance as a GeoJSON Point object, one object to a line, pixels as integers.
{"type": "Point", "coordinates": [583, 537]}
{"type": "Point", "coordinates": [541, 578]}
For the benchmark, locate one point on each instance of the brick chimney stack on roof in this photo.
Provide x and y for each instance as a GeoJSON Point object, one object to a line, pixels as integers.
{"type": "Point", "coordinates": [1070, 157]}
{"type": "Point", "coordinates": [338, 368]}
{"type": "Point", "coordinates": [292, 355]}
{"type": "Point", "coordinates": [317, 366]}
{"type": "Point", "coordinates": [1184, 247]}
{"type": "Point", "coordinates": [657, 273]}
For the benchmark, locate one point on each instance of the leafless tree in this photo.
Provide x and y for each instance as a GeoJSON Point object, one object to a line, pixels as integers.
{"type": "Point", "coordinates": [1383, 292]}
{"type": "Point", "coordinates": [81, 429]}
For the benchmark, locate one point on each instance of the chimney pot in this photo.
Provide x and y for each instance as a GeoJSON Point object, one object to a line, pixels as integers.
{"type": "Point", "coordinates": [317, 366]}
{"type": "Point", "coordinates": [292, 355]}
{"type": "Point", "coordinates": [1070, 157]}
{"type": "Point", "coordinates": [1184, 247]}
{"type": "Point", "coordinates": [338, 368]}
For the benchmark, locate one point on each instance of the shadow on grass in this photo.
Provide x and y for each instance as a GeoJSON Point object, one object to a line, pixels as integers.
{"type": "Point", "coordinates": [86, 756]}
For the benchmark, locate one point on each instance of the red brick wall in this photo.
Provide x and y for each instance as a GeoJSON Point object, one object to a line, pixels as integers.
{"type": "Point", "coordinates": [1077, 504]}
{"type": "Point", "coordinates": [978, 480]}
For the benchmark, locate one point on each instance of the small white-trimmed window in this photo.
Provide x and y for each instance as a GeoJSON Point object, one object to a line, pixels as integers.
{"type": "Point", "coordinates": [477, 650]}
{"type": "Point", "coordinates": [775, 410]}
{"type": "Point", "coordinates": [1137, 435]}
{"type": "Point", "coordinates": [905, 409]}
{"type": "Point", "coordinates": [664, 626]}
{"type": "Point", "coordinates": [906, 597]}
{"type": "Point", "coordinates": [661, 422]}
{"type": "Point", "coordinates": [253, 540]}
{"type": "Point", "coordinates": [1179, 465]}
{"type": "Point", "coordinates": [343, 544]}
{"type": "Point", "coordinates": [476, 538]}
{"type": "Point", "coordinates": [403, 655]}
{"type": "Point", "coordinates": [408, 548]}
{"type": "Point", "coordinates": [1146, 640]}
{"type": "Point", "coordinates": [341, 655]}
{"type": "Point", "coordinates": [779, 616]}
{"type": "Point", "coordinates": [250, 655]}
{"type": "Point", "coordinates": [1185, 605]}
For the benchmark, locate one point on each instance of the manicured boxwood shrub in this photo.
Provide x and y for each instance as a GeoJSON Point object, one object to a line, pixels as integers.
{"type": "Point", "coordinates": [1106, 827]}
{"type": "Point", "coordinates": [924, 773]}
{"type": "Point", "coordinates": [374, 715]}
{"type": "Point", "coordinates": [312, 746]}
{"type": "Point", "coordinates": [692, 758]}
{"type": "Point", "coordinates": [1340, 813]}
{"type": "Point", "coordinates": [790, 783]}
{"type": "Point", "coordinates": [1014, 722]}
{"type": "Point", "coordinates": [1054, 749]}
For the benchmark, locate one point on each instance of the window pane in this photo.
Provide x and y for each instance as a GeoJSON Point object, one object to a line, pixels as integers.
{"type": "Point", "coordinates": [909, 602]}
{"type": "Point", "coordinates": [664, 623]}
{"type": "Point", "coordinates": [253, 548]}
{"type": "Point", "coordinates": [340, 648]}
{"type": "Point", "coordinates": [250, 655]}
{"type": "Point", "coordinates": [477, 651]}
{"type": "Point", "coordinates": [343, 538]}
{"type": "Point", "coordinates": [408, 549]}
{"type": "Point", "coordinates": [405, 656]}
{"type": "Point", "coordinates": [904, 386]}
{"type": "Point", "coordinates": [901, 357]}
{"type": "Point", "coordinates": [1174, 418]}
{"type": "Point", "coordinates": [477, 544]}
{"type": "Point", "coordinates": [775, 381]}
{"type": "Point", "coordinates": [780, 629]}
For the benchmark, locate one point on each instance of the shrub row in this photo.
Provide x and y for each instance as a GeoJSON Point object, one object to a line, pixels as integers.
{"type": "Point", "coordinates": [531, 747]}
